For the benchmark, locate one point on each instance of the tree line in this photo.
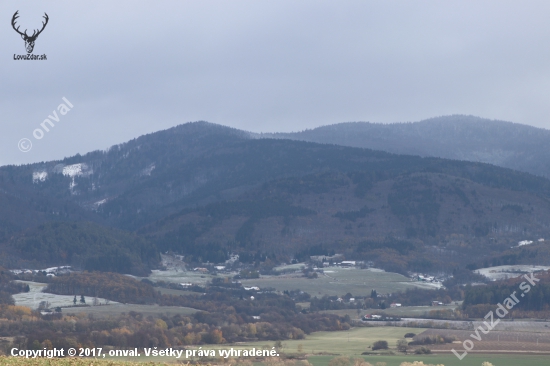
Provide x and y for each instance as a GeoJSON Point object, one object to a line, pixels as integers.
{"type": "Point", "coordinates": [112, 286]}
{"type": "Point", "coordinates": [478, 300]}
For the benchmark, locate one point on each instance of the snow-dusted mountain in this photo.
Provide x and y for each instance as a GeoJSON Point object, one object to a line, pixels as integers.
{"type": "Point", "coordinates": [204, 190]}
{"type": "Point", "coordinates": [506, 144]}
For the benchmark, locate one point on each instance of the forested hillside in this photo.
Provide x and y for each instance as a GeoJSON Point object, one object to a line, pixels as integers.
{"type": "Point", "coordinates": [416, 221]}
{"type": "Point", "coordinates": [531, 297]}
{"type": "Point", "coordinates": [83, 245]}
{"type": "Point", "coordinates": [111, 286]}
{"type": "Point", "coordinates": [510, 145]}
{"type": "Point", "coordinates": [205, 190]}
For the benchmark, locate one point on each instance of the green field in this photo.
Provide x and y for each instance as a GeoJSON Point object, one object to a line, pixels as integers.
{"type": "Point", "coordinates": [117, 309]}
{"type": "Point", "coordinates": [338, 281]}
{"type": "Point", "coordinates": [335, 281]}
{"type": "Point", "coordinates": [321, 347]}
{"type": "Point", "coordinates": [179, 276]}
{"type": "Point", "coordinates": [33, 298]}
{"type": "Point", "coordinates": [449, 360]}
{"type": "Point", "coordinates": [290, 267]}
{"type": "Point", "coordinates": [324, 346]}
{"type": "Point", "coordinates": [412, 311]}
{"type": "Point", "coordinates": [169, 291]}
{"type": "Point", "coordinates": [40, 361]}
{"type": "Point", "coordinates": [348, 343]}
{"type": "Point", "coordinates": [404, 311]}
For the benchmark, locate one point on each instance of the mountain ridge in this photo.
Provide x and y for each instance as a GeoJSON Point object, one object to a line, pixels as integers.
{"type": "Point", "coordinates": [458, 137]}
{"type": "Point", "coordinates": [205, 190]}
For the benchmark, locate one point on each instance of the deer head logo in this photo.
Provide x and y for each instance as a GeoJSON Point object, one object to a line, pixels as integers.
{"type": "Point", "coordinates": [29, 40]}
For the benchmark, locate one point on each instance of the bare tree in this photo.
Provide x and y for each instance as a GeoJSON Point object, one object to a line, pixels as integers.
{"type": "Point", "coordinates": [402, 345]}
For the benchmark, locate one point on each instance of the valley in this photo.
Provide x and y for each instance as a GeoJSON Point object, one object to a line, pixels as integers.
{"type": "Point", "coordinates": [206, 235]}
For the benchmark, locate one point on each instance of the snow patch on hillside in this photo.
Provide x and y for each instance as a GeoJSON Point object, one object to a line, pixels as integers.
{"type": "Point", "coordinates": [509, 271]}
{"type": "Point", "coordinates": [76, 170]}
{"type": "Point", "coordinates": [72, 171]}
{"type": "Point", "coordinates": [99, 203]}
{"type": "Point", "coordinates": [39, 177]}
{"type": "Point", "coordinates": [148, 170]}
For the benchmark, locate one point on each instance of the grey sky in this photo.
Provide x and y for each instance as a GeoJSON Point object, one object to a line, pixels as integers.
{"type": "Point", "coordinates": [134, 67]}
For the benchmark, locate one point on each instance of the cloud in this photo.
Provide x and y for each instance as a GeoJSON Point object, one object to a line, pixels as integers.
{"type": "Point", "coordinates": [134, 67]}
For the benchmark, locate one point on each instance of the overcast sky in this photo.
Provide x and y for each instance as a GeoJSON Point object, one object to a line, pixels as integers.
{"type": "Point", "coordinates": [135, 67]}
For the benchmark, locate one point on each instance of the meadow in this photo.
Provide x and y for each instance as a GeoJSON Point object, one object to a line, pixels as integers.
{"type": "Point", "coordinates": [179, 276]}
{"type": "Point", "coordinates": [337, 281]}
{"type": "Point", "coordinates": [18, 361]}
{"type": "Point", "coordinates": [395, 360]}
{"type": "Point", "coordinates": [448, 359]}
{"type": "Point", "coordinates": [117, 309]}
{"type": "Point", "coordinates": [403, 312]}
{"type": "Point", "coordinates": [321, 347]}
{"type": "Point", "coordinates": [347, 343]}
{"type": "Point", "coordinates": [509, 271]}
{"type": "Point", "coordinates": [33, 298]}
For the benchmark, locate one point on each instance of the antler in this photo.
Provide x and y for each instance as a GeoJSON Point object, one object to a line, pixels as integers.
{"type": "Point", "coordinates": [13, 19]}
{"type": "Point", "coordinates": [43, 25]}
{"type": "Point", "coordinates": [34, 34]}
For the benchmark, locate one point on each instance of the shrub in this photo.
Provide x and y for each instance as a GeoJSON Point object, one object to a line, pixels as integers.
{"type": "Point", "coordinates": [435, 339]}
{"type": "Point", "coordinates": [379, 345]}
{"type": "Point", "coordinates": [423, 351]}
{"type": "Point", "coordinates": [409, 335]}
